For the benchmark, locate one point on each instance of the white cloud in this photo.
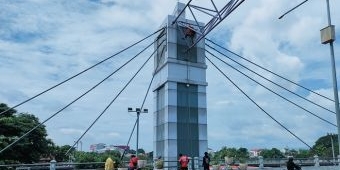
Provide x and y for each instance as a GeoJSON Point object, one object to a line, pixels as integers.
{"type": "Point", "coordinates": [45, 42]}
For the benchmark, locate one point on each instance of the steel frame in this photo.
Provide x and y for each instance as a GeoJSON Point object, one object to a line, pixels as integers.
{"type": "Point", "coordinates": [217, 16]}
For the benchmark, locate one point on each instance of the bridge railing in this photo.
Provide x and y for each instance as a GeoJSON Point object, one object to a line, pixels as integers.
{"type": "Point", "coordinates": [195, 163]}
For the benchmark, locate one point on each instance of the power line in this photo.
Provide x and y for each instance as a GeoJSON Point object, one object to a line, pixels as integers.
{"type": "Point", "coordinates": [271, 80]}
{"type": "Point", "coordinates": [85, 70]}
{"type": "Point", "coordinates": [272, 72]}
{"type": "Point", "coordinates": [273, 91]}
{"type": "Point", "coordinates": [259, 105]}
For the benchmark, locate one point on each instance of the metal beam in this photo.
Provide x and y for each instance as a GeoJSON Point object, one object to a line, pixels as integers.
{"type": "Point", "coordinates": [216, 17]}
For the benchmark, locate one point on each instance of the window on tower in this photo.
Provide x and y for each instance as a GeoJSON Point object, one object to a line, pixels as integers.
{"type": "Point", "coordinates": [185, 37]}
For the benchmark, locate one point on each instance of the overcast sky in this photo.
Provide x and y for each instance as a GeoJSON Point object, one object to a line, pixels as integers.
{"type": "Point", "coordinates": [44, 42]}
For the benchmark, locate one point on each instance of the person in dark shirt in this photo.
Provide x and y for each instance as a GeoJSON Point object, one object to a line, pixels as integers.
{"type": "Point", "coordinates": [291, 165]}
{"type": "Point", "coordinates": [206, 161]}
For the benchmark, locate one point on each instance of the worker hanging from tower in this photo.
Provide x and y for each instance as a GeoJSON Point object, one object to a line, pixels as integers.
{"type": "Point", "coordinates": [190, 32]}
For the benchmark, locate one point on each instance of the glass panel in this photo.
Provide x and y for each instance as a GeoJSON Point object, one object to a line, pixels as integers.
{"type": "Point", "coordinates": [186, 55]}
{"type": "Point", "coordinates": [160, 148]}
{"type": "Point", "coordinates": [187, 119]}
{"type": "Point", "coordinates": [161, 47]}
{"type": "Point", "coordinates": [160, 117]}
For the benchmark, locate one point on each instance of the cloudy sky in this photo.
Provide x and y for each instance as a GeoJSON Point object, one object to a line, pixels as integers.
{"type": "Point", "coordinates": [45, 42]}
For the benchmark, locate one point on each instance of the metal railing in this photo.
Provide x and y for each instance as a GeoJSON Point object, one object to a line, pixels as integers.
{"type": "Point", "coordinates": [195, 163]}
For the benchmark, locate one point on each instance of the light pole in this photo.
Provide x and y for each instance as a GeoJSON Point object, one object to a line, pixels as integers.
{"type": "Point", "coordinates": [332, 143]}
{"type": "Point", "coordinates": [328, 36]}
{"type": "Point", "coordinates": [138, 111]}
{"type": "Point", "coordinates": [81, 145]}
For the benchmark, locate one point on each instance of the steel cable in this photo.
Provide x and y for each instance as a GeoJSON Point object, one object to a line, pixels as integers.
{"type": "Point", "coordinates": [325, 97]}
{"type": "Point", "coordinates": [259, 105]}
{"type": "Point", "coordinates": [89, 68]}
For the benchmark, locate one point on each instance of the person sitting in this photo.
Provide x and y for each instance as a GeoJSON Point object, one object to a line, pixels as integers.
{"type": "Point", "coordinates": [291, 165]}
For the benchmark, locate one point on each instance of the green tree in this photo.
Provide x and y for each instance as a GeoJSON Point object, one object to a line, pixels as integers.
{"type": "Point", "coordinates": [141, 151]}
{"type": "Point", "coordinates": [84, 157]}
{"type": "Point", "coordinates": [303, 153]}
{"type": "Point", "coordinates": [272, 153]}
{"type": "Point", "coordinates": [240, 154]}
{"type": "Point", "coordinates": [323, 146]}
{"type": "Point", "coordinates": [14, 125]}
{"type": "Point", "coordinates": [59, 152]}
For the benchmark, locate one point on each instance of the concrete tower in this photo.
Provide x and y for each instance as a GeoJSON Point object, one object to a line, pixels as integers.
{"type": "Point", "coordinates": [180, 113]}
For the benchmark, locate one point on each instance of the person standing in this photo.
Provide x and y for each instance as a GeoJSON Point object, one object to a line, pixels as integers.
{"type": "Point", "coordinates": [291, 165]}
{"type": "Point", "coordinates": [109, 164]}
{"type": "Point", "coordinates": [133, 164]}
{"type": "Point", "coordinates": [183, 162]}
{"type": "Point", "coordinates": [206, 161]}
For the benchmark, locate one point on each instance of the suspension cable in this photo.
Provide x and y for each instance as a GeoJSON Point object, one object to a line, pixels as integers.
{"type": "Point", "coordinates": [133, 129]}
{"type": "Point", "coordinates": [272, 72]}
{"type": "Point", "coordinates": [111, 102]}
{"type": "Point", "coordinates": [271, 80]}
{"type": "Point", "coordinates": [121, 158]}
{"type": "Point", "coordinates": [273, 91]}
{"type": "Point", "coordinates": [258, 105]}
{"type": "Point", "coordinates": [73, 100]}
{"type": "Point", "coordinates": [100, 62]}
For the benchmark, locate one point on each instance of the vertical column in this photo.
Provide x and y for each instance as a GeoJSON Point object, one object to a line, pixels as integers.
{"type": "Point", "coordinates": [180, 116]}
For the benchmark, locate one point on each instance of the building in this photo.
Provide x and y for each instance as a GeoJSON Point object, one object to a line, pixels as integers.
{"type": "Point", "coordinates": [180, 113]}
{"type": "Point", "coordinates": [101, 148]}
{"type": "Point", "coordinates": [255, 152]}
{"type": "Point", "coordinates": [95, 147]}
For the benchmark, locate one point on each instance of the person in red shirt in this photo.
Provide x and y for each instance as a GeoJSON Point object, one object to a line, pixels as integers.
{"type": "Point", "coordinates": [183, 161]}
{"type": "Point", "coordinates": [133, 163]}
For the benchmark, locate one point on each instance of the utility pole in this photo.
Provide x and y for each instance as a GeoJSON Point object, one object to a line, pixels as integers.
{"type": "Point", "coordinates": [332, 143]}
{"type": "Point", "coordinates": [328, 36]}
{"type": "Point", "coordinates": [138, 111]}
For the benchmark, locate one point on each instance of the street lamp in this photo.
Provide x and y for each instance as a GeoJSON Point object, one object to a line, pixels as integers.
{"type": "Point", "coordinates": [331, 135]}
{"type": "Point", "coordinates": [328, 36]}
{"type": "Point", "coordinates": [138, 111]}
{"type": "Point", "coordinates": [81, 145]}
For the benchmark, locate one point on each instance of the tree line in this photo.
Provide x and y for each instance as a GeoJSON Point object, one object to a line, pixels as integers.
{"type": "Point", "coordinates": [36, 145]}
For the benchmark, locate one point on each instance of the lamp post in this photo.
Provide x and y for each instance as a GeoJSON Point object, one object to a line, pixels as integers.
{"type": "Point", "coordinates": [328, 36]}
{"type": "Point", "coordinates": [138, 111]}
{"type": "Point", "coordinates": [81, 145]}
{"type": "Point", "coordinates": [332, 143]}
